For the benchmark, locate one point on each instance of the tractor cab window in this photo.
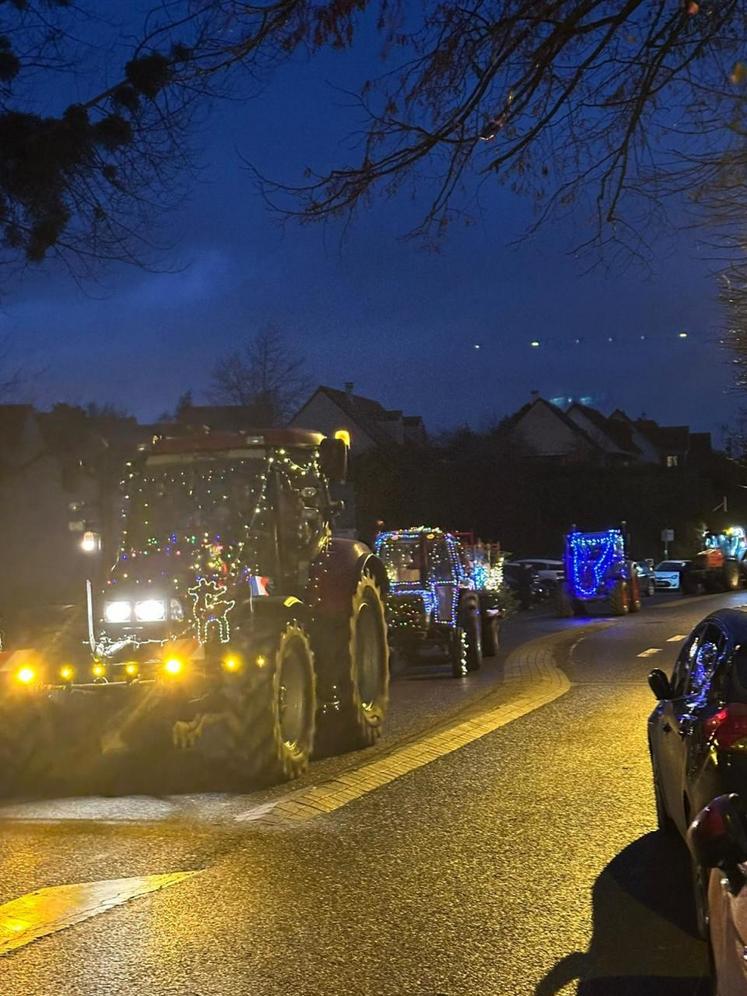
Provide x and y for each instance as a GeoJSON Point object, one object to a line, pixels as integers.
{"type": "Point", "coordinates": [442, 566]}
{"type": "Point", "coordinates": [403, 560]}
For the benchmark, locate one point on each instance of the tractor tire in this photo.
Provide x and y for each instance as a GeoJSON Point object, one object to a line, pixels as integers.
{"type": "Point", "coordinates": [355, 652]}
{"type": "Point", "coordinates": [731, 575]}
{"type": "Point", "coordinates": [565, 606]}
{"type": "Point", "coordinates": [689, 584]}
{"type": "Point", "coordinates": [473, 630]}
{"type": "Point", "coordinates": [458, 653]}
{"type": "Point", "coordinates": [619, 601]}
{"type": "Point", "coordinates": [634, 598]}
{"type": "Point", "coordinates": [264, 732]}
{"type": "Point", "coordinates": [491, 635]}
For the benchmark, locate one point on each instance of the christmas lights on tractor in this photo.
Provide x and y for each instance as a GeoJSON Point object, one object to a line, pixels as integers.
{"type": "Point", "coordinates": [233, 624]}
{"type": "Point", "coordinates": [598, 571]}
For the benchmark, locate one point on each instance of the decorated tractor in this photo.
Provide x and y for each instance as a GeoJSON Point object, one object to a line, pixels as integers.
{"type": "Point", "coordinates": [234, 635]}
{"type": "Point", "coordinates": [442, 595]}
{"type": "Point", "coordinates": [721, 564]}
{"type": "Point", "coordinates": [598, 572]}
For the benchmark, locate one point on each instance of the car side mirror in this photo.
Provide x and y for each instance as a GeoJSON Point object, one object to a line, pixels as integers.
{"type": "Point", "coordinates": [717, 838]}
{"type": "Point", "coordinates": [660, 685]}
{"type": "Point", "coordinates": [333, 459]}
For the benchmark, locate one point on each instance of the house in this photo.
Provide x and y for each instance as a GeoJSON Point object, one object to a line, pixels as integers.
{"type": "Point", "coordinates": [584, 434]}
{"type": "Point", "coordinates": [543, 430]}
{"type": "Point", "coordinates": [367, 421]}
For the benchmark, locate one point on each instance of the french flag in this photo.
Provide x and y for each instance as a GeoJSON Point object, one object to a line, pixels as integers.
{"type": "Point", "coordinates": [258, 585]}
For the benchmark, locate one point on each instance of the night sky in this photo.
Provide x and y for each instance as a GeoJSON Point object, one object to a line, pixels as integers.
{"type": "Point", "coordinates": [363, 304]}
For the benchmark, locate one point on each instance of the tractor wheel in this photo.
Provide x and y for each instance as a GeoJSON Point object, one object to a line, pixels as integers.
{"type": "Point", "coordinates": [473, 631]}
{"type": "Point", "coordinates": [619, 601]}
{"type": "Point", "coordinates": [491, 635]}
{"type": "Point", "coordinates": [264, 730]}
{"type": "Point", "coordinates": [355, 652]}
{"type": "Point", "coordinates": [458, 652]}
{"type": "Point", "coordinates": [565, 606]}
{"type": "Point", "coordinates": [634, 596]}
{"type": "Point", "coordinates": [689, 584]}
{"type": "Point", "coordinates": [731, 575]}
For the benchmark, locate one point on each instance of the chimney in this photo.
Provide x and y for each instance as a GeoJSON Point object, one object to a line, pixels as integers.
{"type": "Point", "coordinates": [349, 385]}
{"type": "Point", "coordinates": [534, 395]}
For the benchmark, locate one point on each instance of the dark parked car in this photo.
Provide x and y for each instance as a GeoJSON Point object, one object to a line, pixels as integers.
{"type": "Point", "coordinates": [718, 844]}
{"type": "Point", "coordinates": [697, 733]}
{"type": "Point", "coordinates": [646, 577]}
{"type": "Point", "coordinates": [524, 582]}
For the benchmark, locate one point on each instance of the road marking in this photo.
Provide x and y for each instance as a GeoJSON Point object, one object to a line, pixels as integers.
{"type": "Point", "coordinates": [650, 652]}
{"type": "Point", "coordinates": [48, 910]}
{"type": "Point", "coordinates": [678, 638]}
{"type": "Point", "coordinates": [532, 671]}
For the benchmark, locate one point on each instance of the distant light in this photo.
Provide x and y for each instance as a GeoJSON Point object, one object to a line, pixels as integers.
{"type": "Point", "coordinates": [173, 666]}
{"type": "Point", "coordinates": [91, 542]}
{"type": "Point", "coordinates": [535, 343]}
{"type": "Point", "coordinates": [477, 345]}
{"type": "Point", "coordinates": [98, 670]}
{"type": "Point", "coordinates": [231, 664]}
{"type": "Point", "coordinates": [682, 335]}
{"type": "Point", "coordinates": [131, 669]}
{"type": "Point", "coordinates": [26, 675]}
{"type": "Point", "coordinates": [610, 338]}
{"type": "Point", "coordinates": [642, 338]}
{"type": "Point", "coordinates": [67, 673]}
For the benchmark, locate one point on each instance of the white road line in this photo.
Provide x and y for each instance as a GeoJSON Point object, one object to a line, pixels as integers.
{"type": "Point", "coordinates": [650, 652]}
{"type": "Point", "coordinates": [676, 639]}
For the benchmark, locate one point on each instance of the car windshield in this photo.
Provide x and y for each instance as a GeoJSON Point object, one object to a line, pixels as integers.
{"type": "Point", "coordinates": [402, 559]}
{"type": "Point", "coordinates": [669, 565]}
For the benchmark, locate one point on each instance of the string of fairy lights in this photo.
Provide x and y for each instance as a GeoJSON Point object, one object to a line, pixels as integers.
{"type": "Point", "coordinates": [229, 509]}
{"type": "Point", "coordinates": [606, 341]}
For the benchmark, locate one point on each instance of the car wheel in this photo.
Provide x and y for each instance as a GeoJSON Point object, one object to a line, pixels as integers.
{"type": "Point", "coordinates": [700, 878]}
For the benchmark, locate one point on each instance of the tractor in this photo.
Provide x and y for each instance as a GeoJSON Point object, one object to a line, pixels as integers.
{"type": "Point", "coordinates": [442, 595]}
{"type": "Point", "coordinates": [597, 571]}
{"type": "Point", "coordinates": [720, 565]}
{"type": "Point", "coordinates": [233, 637]}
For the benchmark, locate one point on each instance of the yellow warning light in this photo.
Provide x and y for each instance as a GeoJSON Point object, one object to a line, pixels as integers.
{"type": "Point", "coordinates": [98, 670]}
{"type": "Point", "coordinates": [25, 675]}
{"type": "Point", "coordinates": [67, 672]}
{"type": "Point", "coordinates": [344, 435]}
{"type": "Point", "coordinates": [261, 661]}
{"type": "Point", "coordinates": [173, 666]}
{"type": "Point", "coordinates": [231, 664]}
{"type": "Point", "coordinates": [131, 669]}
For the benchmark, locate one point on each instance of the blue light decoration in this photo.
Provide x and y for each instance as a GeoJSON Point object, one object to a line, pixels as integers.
{"type": "Point", "coordinates": [591, 560]}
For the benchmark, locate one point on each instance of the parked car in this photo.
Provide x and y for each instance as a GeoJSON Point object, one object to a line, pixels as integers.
{"type": "Point", "coordinates": [697, 733]}
{"type": "Point", "coordinates": [646, 577]}
{"type": "Point", "coordinates": [667, 574]}
{"type": "Point", "coordinates": [718, 844]}
{"type": "Point", "coordinates": [524, 582]}
{"type": "Point", "coordinates": [550, 571]}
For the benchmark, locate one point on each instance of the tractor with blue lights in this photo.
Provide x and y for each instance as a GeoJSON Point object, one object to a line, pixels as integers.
{"type": "Point", "coordinates": [442, 595]}
{"type": "Point", "coordinates": [720, 564]}
{"type": "Point", "coordinates": [598, 572]}
{"type": "Point", "coordinates": [233, 637]}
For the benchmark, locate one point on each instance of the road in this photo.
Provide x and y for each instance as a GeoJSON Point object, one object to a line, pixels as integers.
{"type": "Point", "coordinates": [499, 841]}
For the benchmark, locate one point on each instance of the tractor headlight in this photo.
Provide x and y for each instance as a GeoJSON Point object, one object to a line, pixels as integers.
{"type": "Point", "coordinates": [150, 610]}
{"type": "Point", "coordinates": [118, 612]}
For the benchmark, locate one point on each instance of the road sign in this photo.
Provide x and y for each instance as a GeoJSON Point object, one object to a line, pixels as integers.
{"type": "Point", "coordinates": [667, 535]}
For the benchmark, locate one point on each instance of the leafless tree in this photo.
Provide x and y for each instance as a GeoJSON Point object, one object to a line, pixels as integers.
{"type": "Point", "coordinates": [625, 100]}
{"type": "Point", "coordinates": [264, 375]}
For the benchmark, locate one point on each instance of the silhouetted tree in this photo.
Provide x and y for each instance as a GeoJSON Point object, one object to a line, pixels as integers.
{"type": "Point", "coordinates": [265, 375]}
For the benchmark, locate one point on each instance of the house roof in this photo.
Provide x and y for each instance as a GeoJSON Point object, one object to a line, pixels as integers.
{"type": "Point", "coordinates": [619, 433]}
{"type": "Point", "coordinates": [366, 413]}
{"type": "Point", "coordinates": [513, 420]}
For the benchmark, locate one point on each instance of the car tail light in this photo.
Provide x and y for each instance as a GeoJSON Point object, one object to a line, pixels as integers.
{"type": "Point", "coordinates": [728, 727]}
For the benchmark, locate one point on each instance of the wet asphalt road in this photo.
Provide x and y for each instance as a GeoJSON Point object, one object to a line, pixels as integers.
{"type": "Point", "coordinates": [524, 862]}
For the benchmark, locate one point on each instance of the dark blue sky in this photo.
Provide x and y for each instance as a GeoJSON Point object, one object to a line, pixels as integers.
{"type": "Point", "coordinates": [367, 307]}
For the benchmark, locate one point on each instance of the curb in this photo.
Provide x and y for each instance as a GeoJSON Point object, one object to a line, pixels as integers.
{"type": "Point", "coordinates": [532, 680]}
